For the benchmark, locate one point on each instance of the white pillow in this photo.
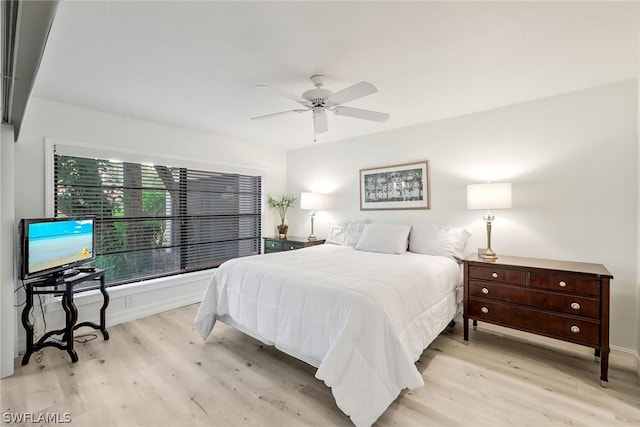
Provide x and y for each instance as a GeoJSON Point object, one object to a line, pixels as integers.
{"type": "Point", "coordinates": [438, 240]}
{"type": "Point", "coordinates": [384, 238]}
{"type": "Point", "coordinates": [345, 233]}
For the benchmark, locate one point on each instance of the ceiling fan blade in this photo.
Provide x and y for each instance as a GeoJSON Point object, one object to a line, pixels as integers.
{"type": "Point", "coordinates": [359, 113]}
{"type": "Point", "coordinates": [356, 91]}
{"type": "Point", "coordinates": [285, 94]}
{"type": "Point", "coordinates": [281, 113]}
{"type": "Point", "coordinates": [320, 120]}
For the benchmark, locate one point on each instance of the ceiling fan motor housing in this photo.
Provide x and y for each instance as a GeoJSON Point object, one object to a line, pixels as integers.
{"type": "Point", "coordinates": [318, 97]}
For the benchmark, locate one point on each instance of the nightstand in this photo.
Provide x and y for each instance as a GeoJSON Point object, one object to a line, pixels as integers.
{"type": "Point", "coordinates": [274, 244]}
{"type": "Point", "coordinates": [565, 300]}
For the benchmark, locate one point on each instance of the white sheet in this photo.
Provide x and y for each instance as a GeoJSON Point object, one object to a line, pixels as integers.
{"type": "Point", "coordinates": [361, 318]}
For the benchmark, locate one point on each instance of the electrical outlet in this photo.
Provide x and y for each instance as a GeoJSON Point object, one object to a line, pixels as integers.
{"type": "Point", "coordinates": [128, 301]}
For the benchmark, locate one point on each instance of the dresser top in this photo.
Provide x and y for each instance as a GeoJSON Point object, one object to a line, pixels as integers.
{"type": "Point", "coordinates": [546, 264]}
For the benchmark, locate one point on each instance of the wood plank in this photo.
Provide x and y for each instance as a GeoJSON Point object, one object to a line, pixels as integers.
{"type": "Point", "coordinates": [157, 371]}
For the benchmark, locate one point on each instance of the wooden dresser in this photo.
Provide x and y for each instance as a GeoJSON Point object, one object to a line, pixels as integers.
{"type": "Point", "coordinates": [274, 244]}
{"type": "Point", "coordinates": [565, 300]}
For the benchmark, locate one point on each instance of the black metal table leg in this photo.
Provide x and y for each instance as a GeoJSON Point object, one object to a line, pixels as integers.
{"type": "Point", "coordinates": [103, 309]}
{"type": "Point", "coordinates": [28, 327]}
{"type": "Point", "coordinates": [72, 317]}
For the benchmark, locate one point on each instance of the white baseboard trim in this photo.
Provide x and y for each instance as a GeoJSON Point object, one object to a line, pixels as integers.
{"type": "Point", "coordinates": [126, 302]}
{"type": "Point", "coordinates": [128, 315]}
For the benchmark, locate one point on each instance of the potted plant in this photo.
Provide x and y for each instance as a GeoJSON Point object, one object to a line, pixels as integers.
{"type": "Point", "coordinates": [281, 205]}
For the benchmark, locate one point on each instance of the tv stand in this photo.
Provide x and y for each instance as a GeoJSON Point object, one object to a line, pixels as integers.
{"type": "Point", "coordinates": [56, 278]}
{"type": "Point", "coordinates": [63, 285]}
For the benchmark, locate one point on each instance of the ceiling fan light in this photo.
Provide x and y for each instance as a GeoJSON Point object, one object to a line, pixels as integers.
{"type": "Point", "coordinates": [320, 120]}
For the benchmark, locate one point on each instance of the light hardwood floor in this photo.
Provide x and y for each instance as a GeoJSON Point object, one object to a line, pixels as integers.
{"type": "Point", "coordinates": [157, 371]}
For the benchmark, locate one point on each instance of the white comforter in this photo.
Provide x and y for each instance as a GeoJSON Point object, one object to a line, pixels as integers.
{"type": "Point", "coordinates": [361, 318]}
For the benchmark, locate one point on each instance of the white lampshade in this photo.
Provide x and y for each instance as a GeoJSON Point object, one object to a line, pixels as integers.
{"type": "Point", "coordinates": [494, 195]}
{"type": "Point", "coordinates": [314, 201]}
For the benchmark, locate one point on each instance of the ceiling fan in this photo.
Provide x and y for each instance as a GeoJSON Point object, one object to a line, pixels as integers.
{"type": "Point", "coordinates": [319, 100]}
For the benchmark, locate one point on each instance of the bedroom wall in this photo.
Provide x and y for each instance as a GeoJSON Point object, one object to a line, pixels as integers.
{"type": "Point", "coordinates": [573, 162]}
{"type": "Point", "coordinates": [63, 122]}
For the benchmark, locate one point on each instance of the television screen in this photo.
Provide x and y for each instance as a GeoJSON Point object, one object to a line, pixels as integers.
{"type": "Point", "coordinates": [52, 245]}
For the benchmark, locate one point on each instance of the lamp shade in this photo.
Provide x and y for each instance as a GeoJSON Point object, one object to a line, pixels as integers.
{"type": "Point", "coordinates": [314, 201]}
{"type": "Point", "coordinates": [494, 195]}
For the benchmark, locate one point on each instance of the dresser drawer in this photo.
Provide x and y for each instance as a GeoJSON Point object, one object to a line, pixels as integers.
{"type": "Point", "coordinates": [566, 283]}
{"type": "Point", "coordinates": [552, 301]}
{"type": "Point", "coordinates": [291, 246]}
{"type": "Point", "coordinates": [569, 328]}
{"type": "Point", "coordinates": [497, 274]}
{"type": "Point", "coordinates": [272, 245]}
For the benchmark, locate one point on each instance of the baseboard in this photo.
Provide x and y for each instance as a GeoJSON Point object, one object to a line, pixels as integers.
{"type": "Point", "coordinates": [124, 316]}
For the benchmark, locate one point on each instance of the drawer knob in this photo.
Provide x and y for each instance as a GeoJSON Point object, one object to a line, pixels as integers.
{"type": "Point", "coordinates": [485, 291]}
{"type": "Point", "coordinates": [494, 274]}
{"type": "Point", "coordinates": [485, 310]}
{"type": "Point", "coordinates": [575, 306]}
{"type": "Point", "coordinates": [562, 283]}
{"type": "Point", "coordinates": [575, 329]}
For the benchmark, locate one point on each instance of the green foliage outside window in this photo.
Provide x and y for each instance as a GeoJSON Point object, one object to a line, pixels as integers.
{"type": "Point", "coordinates": [95, 187]}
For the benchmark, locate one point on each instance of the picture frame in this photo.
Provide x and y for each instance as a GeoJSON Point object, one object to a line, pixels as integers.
{"type": "Point", "coordinates": [404, 186]}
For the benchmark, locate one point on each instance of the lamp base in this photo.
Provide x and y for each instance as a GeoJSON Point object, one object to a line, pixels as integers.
{"type": "Point", "coordinates": [312, 237]}
{"type": "Point", "coordinates": [488, 255]}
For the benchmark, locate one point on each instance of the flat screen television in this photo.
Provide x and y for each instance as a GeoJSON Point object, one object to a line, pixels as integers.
{"type": "Point", "coordinates": [53, 246]}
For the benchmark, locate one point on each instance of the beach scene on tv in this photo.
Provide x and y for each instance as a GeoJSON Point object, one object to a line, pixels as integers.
{"type": "Point", "coordinates": [56, 243]}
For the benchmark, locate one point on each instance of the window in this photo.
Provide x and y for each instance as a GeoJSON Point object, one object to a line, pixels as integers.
{"type": "Point", "coordinates": [154, 221]}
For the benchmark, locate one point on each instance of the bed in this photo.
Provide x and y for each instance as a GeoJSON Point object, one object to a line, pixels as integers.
{"type": "Point", "coordinates": [361, 318]}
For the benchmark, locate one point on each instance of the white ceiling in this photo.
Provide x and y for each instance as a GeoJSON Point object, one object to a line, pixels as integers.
{"type": "Point", "coordinates": [194, 64]}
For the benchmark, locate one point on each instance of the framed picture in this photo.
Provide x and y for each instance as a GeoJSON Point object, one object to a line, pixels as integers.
{"type": "Point", "coordinates": [395, 187]}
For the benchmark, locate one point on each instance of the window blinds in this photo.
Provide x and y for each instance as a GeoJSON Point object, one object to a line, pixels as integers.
{"type": "Point", "coordinates": [153, 220]}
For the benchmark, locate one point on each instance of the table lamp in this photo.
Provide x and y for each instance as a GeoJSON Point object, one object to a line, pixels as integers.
{"type": "Point", "coordinates": [312, 201]}
{"type": "Point", "coordinates": [489, 196]}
